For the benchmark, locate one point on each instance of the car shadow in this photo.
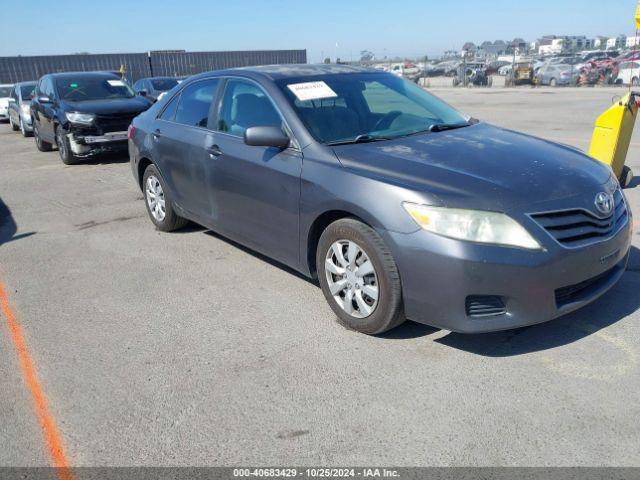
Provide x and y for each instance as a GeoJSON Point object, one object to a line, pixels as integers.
{"type": "Point", "coordinates": [8, 226]}
{"type": "Point", "coordinates": [103, 159]}
{"type": "Point", "coordinates": [262, 257]}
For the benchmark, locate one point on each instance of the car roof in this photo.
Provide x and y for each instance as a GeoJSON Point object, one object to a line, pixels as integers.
{"type": "Point", "coordinates": [277, 72]}
{"type": "Point", "coordinates": [83, 74]}
{"type": "Point", "coordinates": [161, 77]}
{"type": "Point", "coordinates": [24, 84]}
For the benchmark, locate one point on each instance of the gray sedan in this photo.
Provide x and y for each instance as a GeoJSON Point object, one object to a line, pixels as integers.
{"type": "Point", "coordinates": [398, 204]}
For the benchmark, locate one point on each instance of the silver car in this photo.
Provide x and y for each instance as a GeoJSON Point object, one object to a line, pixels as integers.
{"type": "Point", "coordinates": [19, 107]}
{"type": "Point", "coordinates": [555, 75]}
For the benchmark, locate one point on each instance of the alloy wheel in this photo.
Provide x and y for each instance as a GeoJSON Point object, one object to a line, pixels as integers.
{"type": "Point", "coordinates": [22, 130]}
{"type": "Point", "coordinates": [352, 278]}
{"type": "Point", "coordinates": [155, 198]}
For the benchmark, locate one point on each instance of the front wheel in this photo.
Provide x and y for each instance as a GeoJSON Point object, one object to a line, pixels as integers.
{"type": "Point", "coordinates": [14, 127]}
{"type": "Point", "coordinates": [359, 277]}
{"type": "Point", "coordinates": [64, 147]}
{"type": "Point", "coordinates": [553, 82]}
{"type": "Point", "coordinates": [158, 202]}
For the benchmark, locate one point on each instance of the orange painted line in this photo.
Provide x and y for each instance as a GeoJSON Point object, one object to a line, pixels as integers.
{"type": "Point", "coordinates": [46, 420]}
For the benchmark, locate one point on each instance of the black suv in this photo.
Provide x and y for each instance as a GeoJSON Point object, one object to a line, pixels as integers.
{"type": "Point", "coordinates": [84, 114]}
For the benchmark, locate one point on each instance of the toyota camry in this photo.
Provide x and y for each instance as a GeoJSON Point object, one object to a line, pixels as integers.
{"type": "Point", "coordinates": [401, 206]}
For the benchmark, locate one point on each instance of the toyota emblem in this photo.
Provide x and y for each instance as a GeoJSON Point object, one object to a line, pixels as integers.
{"type": "Point", "coordinates": [604, 203]}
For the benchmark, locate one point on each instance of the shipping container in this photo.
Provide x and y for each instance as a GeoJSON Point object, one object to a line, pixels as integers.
{"type": "Point", "coordinates": [140, 65]}
{"type": "Point", "coordinates": [191, 63]}
{"type": "Point", "coordinates": [20, 69]}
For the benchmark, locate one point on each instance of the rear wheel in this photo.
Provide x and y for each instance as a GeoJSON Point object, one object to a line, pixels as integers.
{"type": "Point", "coordinates": [553, 82]}
{"type": "Point", "coordinates": [40, 144]}
{"type": "Point", "coordinates": [635, 82]}
{"type": "Point", "coordinates": [64, 147]}
{"type": "Point", "coordinates": [159, 203]}
{"type": "Point", "coordinates": [14, 127]}
{"type": "Point", "coordinates": [359, 277]}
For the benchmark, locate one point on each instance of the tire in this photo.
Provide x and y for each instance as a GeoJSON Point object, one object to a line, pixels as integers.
{"type": "Point", "coordinates": [553, 82]}
{"type": "Point", "coordinates": [635, 82]}
{"type": "Point", "coordinates": [377, 315]}
{"type": "Point", "coordinates": [626, 177]}
{"type": "Point", "coordinates": [64, 147]}
{"type": "Point", "coordinates": [14, 127]}
{"type": "Point", "coordinates": [40, 144]}
{"type": "Point", "coordinates": [23, 130]}
{"type": "Point", "coordinates": [170, 221]}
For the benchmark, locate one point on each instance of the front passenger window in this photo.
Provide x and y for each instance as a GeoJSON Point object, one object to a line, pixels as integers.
{"type": "Point", "coordinates": [245, 105]}
{"type": "Point", "coordinates": [195, 102]}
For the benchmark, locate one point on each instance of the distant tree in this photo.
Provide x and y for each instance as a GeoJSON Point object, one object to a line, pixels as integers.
{"type": "Point", "coordinates": [367, 56]}
{"type": "Point", "coordinates": [327, 60]}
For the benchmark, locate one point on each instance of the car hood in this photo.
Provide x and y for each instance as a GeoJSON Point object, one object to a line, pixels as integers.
{"type": "Point", "coordinates": [480, 166]}
{"type": "Point", "coordinates": [110, 106]}
{"type": "Point", "coordinates": [4, 102]}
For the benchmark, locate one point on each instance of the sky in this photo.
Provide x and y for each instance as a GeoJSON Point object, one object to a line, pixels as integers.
{"type": "Point", "coordinates": [406, 28]}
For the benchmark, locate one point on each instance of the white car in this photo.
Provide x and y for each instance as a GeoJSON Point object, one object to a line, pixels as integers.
{"type": "Point", "coordinates": [629, 73]}
{"type": "Point", "coordinates": [5, 94]}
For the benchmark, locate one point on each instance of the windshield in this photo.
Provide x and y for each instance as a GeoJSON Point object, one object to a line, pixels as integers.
{"type": "Point", "coordinates": [26, 92]}
{"type": "Point", "coordinates": [5, 91]}
{"type": "Point", "coordinates": [341, 107]}
{"type": "Point", "coordinates": [164, 84]}
{"type": "Point", "coordinates": [92, 88]}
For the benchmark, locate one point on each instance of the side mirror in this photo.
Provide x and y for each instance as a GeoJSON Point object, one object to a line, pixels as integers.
{"type": "Point", "coordinates": [44, 99]}
{"type": "Point", "coordinates": [266, 137]}
{"type": "Point", "coordinates": [12, 100]}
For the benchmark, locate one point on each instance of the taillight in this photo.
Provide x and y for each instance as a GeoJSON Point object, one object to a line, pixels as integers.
{"type": "Point", "coordinates": [130, 132]}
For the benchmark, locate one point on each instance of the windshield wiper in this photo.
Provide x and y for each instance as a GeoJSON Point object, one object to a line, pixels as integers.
{"type": "Point", "coordinates": [441, 127]}
{"type": "Point", "coordinates": [364, 138]}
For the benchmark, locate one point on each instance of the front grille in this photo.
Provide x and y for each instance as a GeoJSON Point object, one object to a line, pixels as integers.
{"type": "Point", "coordinates": [577, 227]}
{"type": "Point", "coordinates": [114, 123]}
{"type": "Point", "coordinates": [573, 293]}
{"type": "Point", "coordinates": [484, 306]}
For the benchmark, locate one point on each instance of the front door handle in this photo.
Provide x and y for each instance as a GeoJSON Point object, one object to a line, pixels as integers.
{"type": "Point", "coordinates": [214, 151]}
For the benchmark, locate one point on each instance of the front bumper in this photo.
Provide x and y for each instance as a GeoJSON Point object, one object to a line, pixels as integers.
{"type": "Point", "coordinates": [439, 274]}
{"type": "Point", "coordinates": [84, 146]}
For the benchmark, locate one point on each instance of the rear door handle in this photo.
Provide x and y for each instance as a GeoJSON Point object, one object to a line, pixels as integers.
{"type": "Point", "coordinates": [214, 151]}
{"type": "Point", "coordinates": [156, 134]}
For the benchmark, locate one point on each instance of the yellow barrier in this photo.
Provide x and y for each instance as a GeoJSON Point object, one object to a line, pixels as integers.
{"type": "Point", "coordinates": [612, 136]}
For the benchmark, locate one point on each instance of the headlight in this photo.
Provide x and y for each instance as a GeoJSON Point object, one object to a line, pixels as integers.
{"type": "Point", "coordinates": [83, 118]}
{"type": "Point", "coordinates": [25, 109]}
{"type": "Point", "coordinates": [472, 225]}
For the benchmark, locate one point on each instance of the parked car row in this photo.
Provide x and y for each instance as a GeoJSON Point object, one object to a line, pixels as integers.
{"type": "Point", "coordinates": [400, 206]}
{"type": "Point", "coordinates": [82, 114]}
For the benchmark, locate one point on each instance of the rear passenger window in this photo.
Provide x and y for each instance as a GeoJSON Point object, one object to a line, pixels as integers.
{"type": "Point", "coordinates": [170, 110]}
{"type": "Point", "coordinates": [195, 102]}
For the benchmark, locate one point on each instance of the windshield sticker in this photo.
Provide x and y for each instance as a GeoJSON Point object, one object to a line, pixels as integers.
{"type": "Point", "coordinates": [312, 91]}
{"type": "Point", "coordinates": [73, 85]}
{"type": "Point", "coordinates": [116, 83]}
